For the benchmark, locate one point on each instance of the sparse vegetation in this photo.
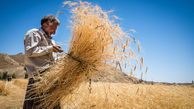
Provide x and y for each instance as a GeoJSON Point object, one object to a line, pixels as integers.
{"type": "Point", "coordinates": [6, 76]}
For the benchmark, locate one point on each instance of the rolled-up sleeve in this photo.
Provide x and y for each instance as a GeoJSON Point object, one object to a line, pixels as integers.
{"type": "Point", "coordinates": [33, 47]}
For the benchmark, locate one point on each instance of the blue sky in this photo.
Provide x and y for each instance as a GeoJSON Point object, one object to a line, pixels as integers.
{"type": "Point", "coordinates": [165, 29]}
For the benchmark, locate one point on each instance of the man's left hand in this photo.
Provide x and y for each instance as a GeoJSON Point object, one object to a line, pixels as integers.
{"type": "Point", "coordinates": [57, 48]}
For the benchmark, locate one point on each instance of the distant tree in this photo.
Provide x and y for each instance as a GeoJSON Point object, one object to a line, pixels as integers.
{"type": "Point", "coordinates": [14, 76]}
{"type": "Point", "coordinates": [4, 76]}
{"type": "Point", "coordinates": [26, 76]}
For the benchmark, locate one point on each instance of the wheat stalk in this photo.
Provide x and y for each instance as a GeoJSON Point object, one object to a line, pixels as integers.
{"type": "Point", "coordinates": [96, 43]}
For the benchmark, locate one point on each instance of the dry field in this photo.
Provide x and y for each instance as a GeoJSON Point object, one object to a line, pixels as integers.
{"type": "Point", "coordinates": [108, 96]}
{"type": "Point", "coordinates": [12, 94]}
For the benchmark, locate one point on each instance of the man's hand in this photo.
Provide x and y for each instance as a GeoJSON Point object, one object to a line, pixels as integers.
{"type": "Point", "coordinates": [57, 48]}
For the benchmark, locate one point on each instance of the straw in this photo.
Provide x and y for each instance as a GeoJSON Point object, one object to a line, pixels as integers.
{"type": "Point", "coordinates": [97, 43]}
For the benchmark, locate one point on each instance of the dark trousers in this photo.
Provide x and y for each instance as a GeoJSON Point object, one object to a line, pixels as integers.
{"type": "Point", "coordinates": [32, 103]}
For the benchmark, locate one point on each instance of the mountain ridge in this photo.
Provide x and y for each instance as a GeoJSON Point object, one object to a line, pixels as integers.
{"type": "Point", "coordinates": [15, 64]}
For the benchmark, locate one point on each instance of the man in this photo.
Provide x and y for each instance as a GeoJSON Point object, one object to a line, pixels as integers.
{"type": "Point", "coordinates": [40, 52]}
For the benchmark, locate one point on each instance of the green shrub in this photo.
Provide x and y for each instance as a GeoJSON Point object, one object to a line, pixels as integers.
{"type": "Point", "coordinates": [14, 76]}
{"type": "Point", "coordinates": [4, 76]}
{"type": "Point", "coordinates": [26, 76]}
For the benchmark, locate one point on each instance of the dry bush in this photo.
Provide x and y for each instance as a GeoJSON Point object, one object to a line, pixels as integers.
{"type": "Point", "coordinates": [3, 88]}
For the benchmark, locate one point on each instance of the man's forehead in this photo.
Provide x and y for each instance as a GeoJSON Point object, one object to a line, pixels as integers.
{"type": "Point", "coordinates": [53, 23]}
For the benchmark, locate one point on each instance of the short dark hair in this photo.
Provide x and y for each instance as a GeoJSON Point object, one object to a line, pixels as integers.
{"type": "Point", "coordinates": [50, 18]}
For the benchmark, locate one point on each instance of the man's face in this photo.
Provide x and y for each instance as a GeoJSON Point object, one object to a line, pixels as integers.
{"type": "Point", "coordinates": [50, 28]}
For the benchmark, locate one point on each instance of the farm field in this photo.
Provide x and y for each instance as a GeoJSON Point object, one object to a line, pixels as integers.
{"type": "Point", "coordinates": [108, 96]}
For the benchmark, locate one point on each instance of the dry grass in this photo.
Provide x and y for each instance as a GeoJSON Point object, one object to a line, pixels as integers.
{"type": "Point", "coordinates": [112, 96]}
{"type": "Point", "coordinates": [15, 98]}
{"type": "Point", "coordinates": [3, 88]}
{"type": "Point", "coordinates": [127, 96]}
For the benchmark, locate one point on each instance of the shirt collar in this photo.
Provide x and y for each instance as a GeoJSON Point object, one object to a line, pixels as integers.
{"type": "Point", "coordinates": [43, 32]}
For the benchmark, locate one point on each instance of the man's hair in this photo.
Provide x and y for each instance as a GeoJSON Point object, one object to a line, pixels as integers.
{"type": "Point", "coordinates": [50, 18]}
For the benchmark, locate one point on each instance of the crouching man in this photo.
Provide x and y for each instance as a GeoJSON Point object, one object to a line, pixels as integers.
{"type": "Point", "coordinates": [40, 52]}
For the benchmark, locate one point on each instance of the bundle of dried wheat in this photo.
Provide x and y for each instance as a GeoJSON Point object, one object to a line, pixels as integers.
{"type": "Point", "coordinates": [96, 42]}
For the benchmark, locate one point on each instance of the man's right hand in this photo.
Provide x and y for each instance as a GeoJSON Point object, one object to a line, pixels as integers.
{"type": "Point", "coordinates": [57, 48]}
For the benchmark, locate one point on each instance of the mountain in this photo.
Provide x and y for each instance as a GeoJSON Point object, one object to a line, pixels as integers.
{"type": "Point", "coordinates": [19, 58]}
{"type": "Point", "coordinates": [13, 64]}
{"type": "Point", "coordinates": [6, 61]}
{"type": "Point", "coordinates": [115, 76]}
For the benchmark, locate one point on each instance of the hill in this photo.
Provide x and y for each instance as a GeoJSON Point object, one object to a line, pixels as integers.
{"type": "Point", "coordinates": [13, 64]}
{"type": "Point", "coordinates": [6, 61]}
{"type": "Point", "coordinates": [19, 58]}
